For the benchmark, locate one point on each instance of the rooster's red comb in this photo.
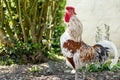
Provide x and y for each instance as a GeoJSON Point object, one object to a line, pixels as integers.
{"type": "Point", "coordinates": [69, 7]}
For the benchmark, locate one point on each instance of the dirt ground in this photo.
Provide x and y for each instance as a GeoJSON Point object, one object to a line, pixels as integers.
{"type": "Point", "coordinates": [56, 70]}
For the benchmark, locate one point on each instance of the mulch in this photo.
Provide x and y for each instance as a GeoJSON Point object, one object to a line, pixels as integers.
{"type": "Point", "coordinates": [52, 70]}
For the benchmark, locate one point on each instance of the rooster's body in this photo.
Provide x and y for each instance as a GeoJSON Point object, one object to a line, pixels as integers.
{"type": "Point", "coordinates": [77, 52]}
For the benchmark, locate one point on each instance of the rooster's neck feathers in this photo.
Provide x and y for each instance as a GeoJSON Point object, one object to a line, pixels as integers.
{"type": "Point", "coordinates": [75, 28]}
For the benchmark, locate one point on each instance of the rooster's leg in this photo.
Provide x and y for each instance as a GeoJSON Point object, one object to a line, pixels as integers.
{"type": "Point", "coordinates": [76, 74]}
{"type": "Point", "coordinates": [83, 72]}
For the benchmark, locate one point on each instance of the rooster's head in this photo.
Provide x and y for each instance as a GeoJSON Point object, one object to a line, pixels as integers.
{"type": "Point", "coordinates": [69, 13]}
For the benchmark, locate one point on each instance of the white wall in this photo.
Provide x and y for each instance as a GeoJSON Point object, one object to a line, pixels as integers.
{"type": "Point", "coordinates": [93, 13]}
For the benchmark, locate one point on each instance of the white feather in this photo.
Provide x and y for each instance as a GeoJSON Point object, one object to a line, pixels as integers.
{"type": "Point", "coordinates": [65, 36]}
{"type": "Point", "coordinates": [111, 46]}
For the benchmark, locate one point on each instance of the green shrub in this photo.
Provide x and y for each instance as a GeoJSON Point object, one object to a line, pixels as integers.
{"type": "Point", "coordinates": [103, 67]}
{"type": "Point", "coordinates": [12, 55]}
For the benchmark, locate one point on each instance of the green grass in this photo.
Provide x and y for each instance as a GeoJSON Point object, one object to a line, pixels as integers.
{"type": "Point", "coordinates": [34, 69]}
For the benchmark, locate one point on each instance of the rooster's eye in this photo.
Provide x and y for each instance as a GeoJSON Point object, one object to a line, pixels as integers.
{"type": "Point", "coordinates": [68, 25]}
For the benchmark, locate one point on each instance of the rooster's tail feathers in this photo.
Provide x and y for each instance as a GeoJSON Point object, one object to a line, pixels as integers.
{"type": "Point", "coordinates": [111, 46]}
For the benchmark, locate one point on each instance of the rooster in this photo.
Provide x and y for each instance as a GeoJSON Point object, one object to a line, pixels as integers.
{"type": "Point", "coordinates": [76, 51]}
